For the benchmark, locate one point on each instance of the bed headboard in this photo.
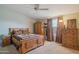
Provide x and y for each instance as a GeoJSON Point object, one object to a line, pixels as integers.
{"type": "Point", "coordinates": [19, 30]}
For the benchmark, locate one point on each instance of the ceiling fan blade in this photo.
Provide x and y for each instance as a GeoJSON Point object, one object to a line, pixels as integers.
{"type": "Point", "coordinates": [37, 7]}
{"type": "Point", "coordinates": [43, 9]}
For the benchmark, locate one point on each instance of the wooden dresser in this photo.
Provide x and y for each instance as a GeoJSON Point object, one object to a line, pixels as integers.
{"type": "Point", "coordinates": [69, 38]}
{"type": "Point", "coordinates": [69, 35]}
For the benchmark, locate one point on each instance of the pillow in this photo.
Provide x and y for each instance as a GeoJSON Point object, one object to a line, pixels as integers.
{"type": "Point", "coordinates": [19, 32]}
{"type": "Point", "coordinates": [24, 31]}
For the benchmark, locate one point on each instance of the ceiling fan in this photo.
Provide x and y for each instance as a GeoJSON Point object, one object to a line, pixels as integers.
{"type": "Point", "coordinates": [36, 7]}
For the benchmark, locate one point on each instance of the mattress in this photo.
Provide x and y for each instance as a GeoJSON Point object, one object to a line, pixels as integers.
{"type": "Point", "coordinates": [28, 36]}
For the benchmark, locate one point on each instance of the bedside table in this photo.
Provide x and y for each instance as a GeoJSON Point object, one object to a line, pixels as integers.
{"type": "Point", "coordinates": [6, 41]}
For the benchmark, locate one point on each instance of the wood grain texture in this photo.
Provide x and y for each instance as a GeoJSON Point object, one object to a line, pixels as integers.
{"type": "Point", "coordinates": [70, 35]}
{"type": "Point", "coordinates": [69, 38]}
{"type": "Point", "coordinates": [6, 41]}
{"type": "Point", "coordinates": [39, 28]}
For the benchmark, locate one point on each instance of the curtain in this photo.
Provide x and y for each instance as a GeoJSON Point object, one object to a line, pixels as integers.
{"type": "Point", "coordinates": [60, 27]}
{"type": "Point", "coordinates": [49, 30]}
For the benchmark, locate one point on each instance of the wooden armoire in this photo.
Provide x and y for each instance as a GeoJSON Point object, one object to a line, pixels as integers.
{"type": "Point", "coordinates": [69, 35]}
{"type": "Point", "coordinates": [39, 28]}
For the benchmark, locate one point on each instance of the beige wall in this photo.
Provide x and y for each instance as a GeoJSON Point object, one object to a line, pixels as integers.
{"type": "Point", "coordinates": [71, 16]}
{"type": "Point", "coordinates": [42, 20]}
{"type": "Point", "coordinates": [12, 19]}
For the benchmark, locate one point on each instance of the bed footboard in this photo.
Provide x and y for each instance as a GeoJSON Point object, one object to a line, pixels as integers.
{"type": "Point", "coordinates": [27, 45]}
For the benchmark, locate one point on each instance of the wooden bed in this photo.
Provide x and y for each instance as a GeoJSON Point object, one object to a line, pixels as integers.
{"type": "Point", "coordinates": [24, 41]}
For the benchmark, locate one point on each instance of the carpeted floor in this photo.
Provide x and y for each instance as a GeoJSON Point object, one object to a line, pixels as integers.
{"type": "Point", "coordinates": [48, 48]}
{"type": "Point", "coordinates": [8, 50]}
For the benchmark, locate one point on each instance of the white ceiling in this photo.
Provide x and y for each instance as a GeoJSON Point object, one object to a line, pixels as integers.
{"type": "Point", "coordinates": [54, 9]}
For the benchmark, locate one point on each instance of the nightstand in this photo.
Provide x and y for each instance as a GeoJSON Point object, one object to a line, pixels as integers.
{"type": "Point", "coordinates": [6, 41]}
